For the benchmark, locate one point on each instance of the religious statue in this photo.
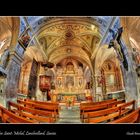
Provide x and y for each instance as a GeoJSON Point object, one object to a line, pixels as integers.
{"type": "Point", "coordinates": [119, 50]}
{"type": "Point", "coordinates": [80, 82]}
{"type": "Point", "coordinates": [69, 67]}
{"type": "Point", "coordinates": [59, 82]}
{"type": "Point", "coordinates": [80, 71]}
{"type": "Point", "coordinates": [59, 71]}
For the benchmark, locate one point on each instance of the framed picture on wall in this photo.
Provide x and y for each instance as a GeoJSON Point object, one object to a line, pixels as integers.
{"type": "Point", "coordinates": [24, 39]}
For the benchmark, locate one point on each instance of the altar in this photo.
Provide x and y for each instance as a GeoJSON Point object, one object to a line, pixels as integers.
{"type": "Point", "coordinates": [64, 97]}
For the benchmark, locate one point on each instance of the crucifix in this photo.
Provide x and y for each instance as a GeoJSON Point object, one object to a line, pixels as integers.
{"type": "Point", "coordinates": [117, 45]}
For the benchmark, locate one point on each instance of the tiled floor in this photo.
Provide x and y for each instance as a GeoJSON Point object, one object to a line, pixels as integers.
{"type": "Point", "coordinates": [69, 115]}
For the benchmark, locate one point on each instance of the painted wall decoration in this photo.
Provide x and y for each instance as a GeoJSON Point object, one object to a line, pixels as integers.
{"type": "Point", "coordinates": [112, 77]}
{"type": "Point", "coordinates": [69, 81]}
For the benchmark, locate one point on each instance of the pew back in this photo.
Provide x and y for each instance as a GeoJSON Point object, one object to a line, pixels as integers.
{"type": "Point", "coordinates": [100, 106]}
{"type": "Point", "coordinates": [52, 108]}
{"type": "Point", "coordinates": [9, 117]}
{"type": "Point", "coordinates": [133, 117]}
{"type": "Point", "coordinates": [96, 103]}
{"type": "Point", "coordinates": [111, 113]}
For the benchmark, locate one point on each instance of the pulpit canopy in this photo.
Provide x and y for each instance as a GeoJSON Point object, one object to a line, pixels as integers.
{"type": "Point", "coordinates": [48, 64]}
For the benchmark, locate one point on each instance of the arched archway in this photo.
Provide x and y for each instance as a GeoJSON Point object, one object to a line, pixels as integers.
{"type": "Point", "coordinates": [108, 73]}
{"type": "Point", "coordinates": [30, 71]}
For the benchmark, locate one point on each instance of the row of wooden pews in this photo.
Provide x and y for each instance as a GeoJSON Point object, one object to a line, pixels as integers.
{"type": "Point", "coordinates": [9, 117]}
{"type": "Point", "coordinates": [85, 109]}
{"type": "Point", "coordinates": [32, 114]}
{"type": "Point", "coordinates": [29, 111]}
{"type": "Point", "coordinates": [95, 103]}
{"type": "Point", "coordinates": [109, 111]}
{"type": "Point", "coordinates": [99, 106]}
{"type": "Point", "coordinates": [133, 117]}
{"type": "Point", "coordinates": [48, 107]}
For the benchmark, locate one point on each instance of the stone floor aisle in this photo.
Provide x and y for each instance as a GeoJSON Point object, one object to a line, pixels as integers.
{"type": "Point", "coordinates": [69, 115]}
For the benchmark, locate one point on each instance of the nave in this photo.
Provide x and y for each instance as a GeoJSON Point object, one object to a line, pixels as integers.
{"type": "Point", "coordinates": [69, 69]}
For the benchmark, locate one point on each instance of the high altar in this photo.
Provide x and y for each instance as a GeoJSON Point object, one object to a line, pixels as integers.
{"type": "Point", "coordinates": [70, 80]}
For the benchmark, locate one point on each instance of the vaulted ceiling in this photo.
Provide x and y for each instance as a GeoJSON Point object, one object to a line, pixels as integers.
{"type": "Point", "coordinates": [77, 37]}
{"type": "Point", "coordinates": [132, 26]}
{"type": "Point", "coordinates": [68, 37]}
{"type": "Point", "coordinates": [62, 37]}
{"type": "Point", "coordinates": [5, 33]}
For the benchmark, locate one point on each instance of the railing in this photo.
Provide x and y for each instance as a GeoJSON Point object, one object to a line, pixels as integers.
{"type": "Point", "coordinates": [61, 96]}
{"type": "Point", "coordinates": [98, 97]}
{"type": "Point", "coordinates": [21, 96]}
{"type": "Point", "coordinates": [116, 94]}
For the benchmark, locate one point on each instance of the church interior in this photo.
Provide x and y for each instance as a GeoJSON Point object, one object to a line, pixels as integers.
{"type": "Point", "coordinates": [69, 69]}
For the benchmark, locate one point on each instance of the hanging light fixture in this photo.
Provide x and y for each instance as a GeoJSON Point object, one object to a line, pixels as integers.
{"type": "Point", "coordinates": [48, 64]}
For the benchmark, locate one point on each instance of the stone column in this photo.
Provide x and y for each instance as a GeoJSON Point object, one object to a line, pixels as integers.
{"type": "Point", "coordinates": [130, 76]}
{"type": "Point", "coordinates": [13, 73]}
{"type": "Point", "coordinates": [131, 79]}
{"type": "Point", "coordinates": [93, 87]}
{"type": "Point", "coordinates": [130, 85]}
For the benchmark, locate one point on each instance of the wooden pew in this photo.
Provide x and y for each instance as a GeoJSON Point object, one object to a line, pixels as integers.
{"type": "Point", "coordinates": [39, 115]}
{"type": "Point", "coordinates": [96, 103]}
{"type": "Point", "coordinates": [100, 106]}
{"type": "Point", "coordinates": [111, 113]}
{"type": "Point", "coordinates": [49, 108]}
{"type": "Point", "coordinates": [133, 117]}
{"type": "Point", "coordinates": [88, 105]}
{"type": "Point", "coordinates": [42, 102]}
{"type": "Point", "coordinates": [56, 104]}
{"type": "Point", "coordinates": [37, 105]}
{"type": "Point", "coordinates": [95, 113]}
{"type": "Point", "coordinates": [9, 117]}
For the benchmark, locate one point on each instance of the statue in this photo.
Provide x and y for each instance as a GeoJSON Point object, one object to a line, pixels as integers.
{"type": "Point", "coordinates": [119, 50]}
{"type": "Point", "coordinates": [4, 58]}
